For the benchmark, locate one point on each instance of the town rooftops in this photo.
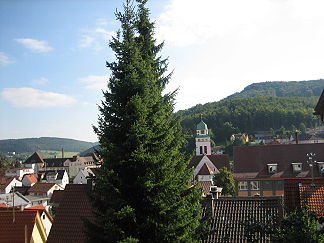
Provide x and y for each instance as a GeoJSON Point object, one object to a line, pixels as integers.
{"type": "Point", "coordinates": [252, 162]}
{"type": "Point", "coordinates": [229, 213]}
{"type": "Point", "coordinates": [68, 225]}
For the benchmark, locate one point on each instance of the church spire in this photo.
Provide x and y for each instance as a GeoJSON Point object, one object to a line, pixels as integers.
{"type": "Point", "coordinates": [203, 145]}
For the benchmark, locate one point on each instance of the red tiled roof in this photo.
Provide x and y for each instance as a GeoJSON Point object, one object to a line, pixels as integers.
{"type": "Point", "coordinates": [57, 196]}
{"type": "Point", "coordinates": [41, 187]}
{"type": "Point", "coordinates": [37, 207]}
{"type": "Point", "coordinates": [3, 205]}
{"type": "Point", "coordinates": [68, 225]}
{"type": "Point", "coordinates": [219, 160]}
{"type": "Point", "coordinates": [299, 191]}
{"type": "Point", "coordinates": [251, 161]}
{"type": "Point", "coordinates": [32, 178]}
{"type": "Point", "coordinates": [15, 232]}
{"type": "Point", "coordinates": [205, 170]}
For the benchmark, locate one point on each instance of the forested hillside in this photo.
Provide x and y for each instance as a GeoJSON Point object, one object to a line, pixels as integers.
{"type": "Point", "coordinates": [282, 89]}
{"type": "Point", "coordinates": [43, 143]}
{"type": "Point", "coordinates": [251, 114]}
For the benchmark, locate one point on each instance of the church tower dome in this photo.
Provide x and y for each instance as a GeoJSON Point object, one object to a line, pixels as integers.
{"type": "Point", "coordinates": [203, 144]}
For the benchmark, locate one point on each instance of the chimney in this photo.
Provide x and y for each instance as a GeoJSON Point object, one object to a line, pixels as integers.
{"type": "Point", "coordinates": [296, 135]}
{"type": "Point", "coordinates": [62, 153]}
{"type": "Point", "coordinates": [210, 205]}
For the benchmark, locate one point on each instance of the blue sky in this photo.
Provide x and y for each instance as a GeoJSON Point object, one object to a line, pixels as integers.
{"type": "Point", "coordinates": [53, 53]}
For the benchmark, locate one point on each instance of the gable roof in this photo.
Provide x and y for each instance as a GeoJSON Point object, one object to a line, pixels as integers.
{"type": "Point", "coordinates": [36, 157]}
{"type": "Point", "coordinates": [60, 174]}
{"type": "Point", "coordinates": [41, 187]}
{"type": "Point", "coordinates": [68, 225]}
{"type": "Point", "coordinates": [228, 213]}
{"type": "Point", "coordinates": [250, 162]}
{"type": "Point", "coordinates": [56, 162]}
{"type": "Point", "coordinates": [219, 160]}
{"type": "Point", "coordinates": [15, 232]}
{"type": "Point", "coordinates": [205, 170]}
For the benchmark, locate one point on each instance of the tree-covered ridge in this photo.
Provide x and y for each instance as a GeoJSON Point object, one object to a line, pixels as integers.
{"type": "Point", "coordinates": [282, 89]}
{"type": "Point", "coordinates": [43, 143]}
{"type": "Point", "coordinates": [251, 114]}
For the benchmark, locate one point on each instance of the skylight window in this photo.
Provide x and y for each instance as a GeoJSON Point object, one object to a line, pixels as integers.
{"type": "Point", "coordinates": [272, 168]}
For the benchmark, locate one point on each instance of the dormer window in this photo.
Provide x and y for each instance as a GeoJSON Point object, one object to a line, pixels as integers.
{"type": "Point", "coordinates": [272, 168]}
{"type": "Point", "coordinates": [297, 167]}
{"type": "Point", "coordinates": [321, 167]}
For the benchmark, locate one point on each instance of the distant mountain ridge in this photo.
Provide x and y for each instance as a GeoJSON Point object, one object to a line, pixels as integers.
{"type": "Point", "coordinates": [281, 89]}
{"type": "Point", "coordinates": [43, 143]}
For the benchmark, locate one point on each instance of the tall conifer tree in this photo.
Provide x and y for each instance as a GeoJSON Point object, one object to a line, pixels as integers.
{"type": "Point", "coordinates": [143, 191]}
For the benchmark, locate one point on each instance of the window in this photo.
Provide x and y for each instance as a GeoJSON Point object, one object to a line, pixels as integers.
{"type": "Point", "coordinates": [201, 150]}
{"type": "Point", "coordinates": [255, 185]}
{"type": "Point", "coordinates": [243, 185]}
{"type": "Point", "coordinates": [202, 131]}
{"type": "Point", "coordinates": [321, 166]}
{"type": "Point", "coordinates": [272, 168]}
{"type": "Point", "coordinates": [43, 216]}
{"type": "Point", "coordinates": [297, 167]}
{"type": "Point", "coordinates": [205, 149]}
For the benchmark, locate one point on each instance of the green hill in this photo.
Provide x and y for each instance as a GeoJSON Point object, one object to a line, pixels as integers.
{"type": "Point", "coordinates": [259, 107]}
{"type": "Point", "coordinates": [43, 143]}
{"type": "Point", "coordinates": [282, 89]}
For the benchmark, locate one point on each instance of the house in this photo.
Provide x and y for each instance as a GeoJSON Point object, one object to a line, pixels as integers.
{"type": "Point", "coordinates": [44, 190]}
{"type": "Point", "coordinates": [242, 136]}
{"type": "Point", "coordinates": [59, 177]}
{"type": "Point", "coordinates": [319, 108]}
{"type": "Point", "coordinates": [299, 192]}
{"type": "Point", "coordinates": [19, 172]}
{"type": "Point", "coordinates": [263, 137]}
{"type": "Point", "coordinates": [21, 226]}
{"type": "Point", "coordinates": [7, 183]}
{"type": "Point", "coordinates": [311, 139]}
{"type": "Point", "coordinates": [15, 199]}
{"type": "Point", "coordinates": [45, 217]}
{"type": "Point", "coordinates": [81, 177]}
{"type": "Point", "coordinates": [261, 170]}
{"type": "Point", "coordinates": [68, 225]}
{"type": "Point", "coordinates": [226, 215]}
{"type": "Point", "coordinates": [29, 180]}
{"type": "Point", "coordinates": [71, 165]}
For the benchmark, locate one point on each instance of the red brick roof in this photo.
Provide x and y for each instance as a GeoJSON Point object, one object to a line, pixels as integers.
{"type": "Point", "coordinates": [219, 160]}
{"type": "Point", "coordinates": [32, 178]}
{"type": "Point", "coordinates": [15, 232]}
{"type": "Point", "coordinates": [251, 161]}
{"type": "Point", "coordinates": [302, 191]}
{"type": "Point", "coordinates": [57, 196]}
{"type": "Point", "coordinates": [41, 187]}
{"type": "Point", "coordinates": [68, 225]}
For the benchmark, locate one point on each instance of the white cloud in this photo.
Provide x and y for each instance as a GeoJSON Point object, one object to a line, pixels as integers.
{"type": "Point", "coordinates": [97, 37]}
{"type": "Point", "coordinates": [29, 97]}
{"type": "Point", "coordinates": [40, 81]}
{"type": "Point", "coordinates": [222, 46]}
{"type": "Point", "coordinates": [94, 82]}
{"type": "Point", "coordinates": [5, 60]}
{"type": "Point", "coordinates": [35, 45]}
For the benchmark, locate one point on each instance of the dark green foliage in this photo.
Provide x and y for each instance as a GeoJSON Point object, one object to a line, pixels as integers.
{"type": "Point", "coordinates": [8, 162]}
{"type": "Point", "coordinates": [43, 143]}
{"type": "Point", "coordinates": [143, 192]}
{"type": "Point", "coordinates": [251, 114]}
{"type": "Point", "coordinates": [230, 145]}
{"type": "Point", "coordinates": [282, 89]}
{"type": "Point", "coordinates": [300, 226]}
{"type": "Point", "coordinates": [225, 179]}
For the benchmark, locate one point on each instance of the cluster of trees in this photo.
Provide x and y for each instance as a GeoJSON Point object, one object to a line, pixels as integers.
{"type": "Point", "coordinates": [282, 89]}
{"type": "Point", "coordinates": [251, 114]}
{"type": "Point", "coordinates": [8, 162]}
{"type": "Point", "coordinates": [43, 143]}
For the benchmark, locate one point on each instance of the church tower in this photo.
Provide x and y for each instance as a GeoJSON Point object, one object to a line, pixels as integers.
{"type": "Point", "coordinates": [203, 144]}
